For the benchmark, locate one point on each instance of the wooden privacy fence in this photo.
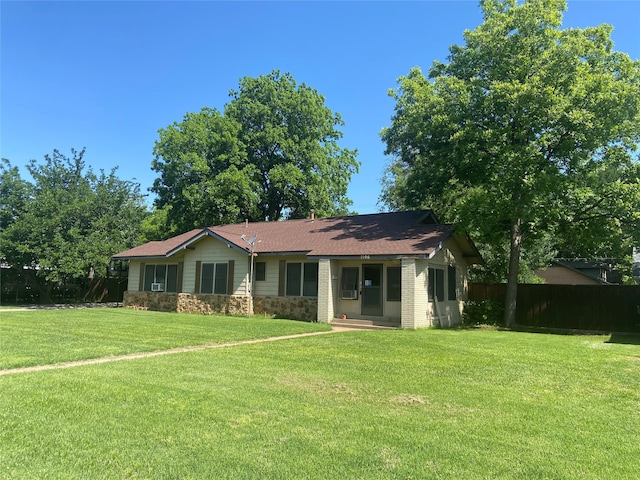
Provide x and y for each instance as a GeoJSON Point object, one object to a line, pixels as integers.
{"type": "Point", "coordinates": [97, 290]}
{"type": "Point", "coordinates": [612, 308]}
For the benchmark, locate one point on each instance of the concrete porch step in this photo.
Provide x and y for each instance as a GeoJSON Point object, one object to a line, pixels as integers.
{"type": "Point", "coordinates": [365, 324]}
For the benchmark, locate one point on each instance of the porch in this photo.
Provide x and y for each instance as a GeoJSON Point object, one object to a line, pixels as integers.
{"type": "Point", "coordinates": [366, 324]}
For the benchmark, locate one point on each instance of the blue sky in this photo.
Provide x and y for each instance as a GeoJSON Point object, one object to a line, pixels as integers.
{"type": "Point", "coordinates": [108, 75]}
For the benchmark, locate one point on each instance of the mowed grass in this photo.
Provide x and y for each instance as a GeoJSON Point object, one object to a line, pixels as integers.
{"type": "Point", "coordinates": [353, 405]}
{"type": "Point", "coordinates": [40, 337]}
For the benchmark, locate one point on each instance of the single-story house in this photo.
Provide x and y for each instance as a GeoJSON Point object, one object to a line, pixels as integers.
{"type": "Point", "coordinates": [401, 268]}
{"type": "Point", "coordinates": [579, 272]}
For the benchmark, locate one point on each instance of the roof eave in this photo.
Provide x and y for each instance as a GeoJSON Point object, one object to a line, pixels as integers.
{"type": "Point", "coordinates": [184, 246]}
{"type": "Point", "coordinates": [206, 232]}
{"type": "Point", "coordinates": [284, 253]}
{"type": "Point", "coordinates": [187, 243]}
{"type": "Point", "coordinates": [138, 257]}
{"type": "Point", "coordinates": [469, 249]}
{"type": "Point", "coordinates": [575, 270]}
{"type": "Point", "coordinates": [367, 256]}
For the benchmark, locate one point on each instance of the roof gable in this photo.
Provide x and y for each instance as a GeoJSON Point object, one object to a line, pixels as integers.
{"type": "Point", "coordinates": [161, 248]}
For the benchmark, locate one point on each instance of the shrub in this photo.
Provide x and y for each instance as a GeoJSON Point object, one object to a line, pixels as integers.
{"type": "Point", "coordinates": [484, 312]}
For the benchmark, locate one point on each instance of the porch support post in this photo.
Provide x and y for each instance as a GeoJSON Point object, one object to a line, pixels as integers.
{"type": "Point", "coordinates": [408, 295]}
{"type": "Point", "coordinates": [326, 311]}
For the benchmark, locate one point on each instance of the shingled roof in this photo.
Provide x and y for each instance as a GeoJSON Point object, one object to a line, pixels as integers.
{"type": "Point", "coordinates": [413, 233]}
{"type": "Point", "coordinates": [161, 248]}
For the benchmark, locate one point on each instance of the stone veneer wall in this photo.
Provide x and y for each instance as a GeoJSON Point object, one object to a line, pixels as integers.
{"type": "Point", "coordinates": [300, 308]}
{"type": "Point", "coordinates": [209, 304]}
{"type": "Point", "coordinates": [159, 302]}
{"type": "Point", "coordinates": [187, 303]}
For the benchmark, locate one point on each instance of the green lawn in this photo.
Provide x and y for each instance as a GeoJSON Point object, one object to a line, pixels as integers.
{"type": "Point", "coordinates": [40, 337]}
{"type": "Point", "coordinates": [355, 405]}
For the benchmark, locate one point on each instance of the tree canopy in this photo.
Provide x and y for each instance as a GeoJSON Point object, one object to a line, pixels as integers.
{"type": "Point", "coordinates": [69, 219]}
{"type": "Point", "coordinates": [272, 153]}
{"type": "Point", "coordinates": [526, 137]}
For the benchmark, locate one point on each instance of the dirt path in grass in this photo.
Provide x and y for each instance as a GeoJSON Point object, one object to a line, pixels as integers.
{"type": "Point", "coordinates": [59, 306]}
{"type": "Point", "coordinates": [157, 353]}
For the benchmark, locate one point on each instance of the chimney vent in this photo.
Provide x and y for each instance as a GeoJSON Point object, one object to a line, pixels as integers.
{"type": "Point", "coordinates": [313, 214]}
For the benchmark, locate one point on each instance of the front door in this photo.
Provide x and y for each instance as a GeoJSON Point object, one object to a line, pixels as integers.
{"type": "Point", "coordinates": [372, 289]}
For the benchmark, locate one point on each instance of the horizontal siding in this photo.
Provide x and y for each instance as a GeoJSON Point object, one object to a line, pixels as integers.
{"type": "Point", "coordinates": [134, 275]}
{"type": "Point", "coordinates": [565, 276]}
{"type": "Point", "coordinates": [134, 268]}
{"type": "Point", "coordinates": [269, 287]}
{"type": "Point", "coordinates": [211, 250]}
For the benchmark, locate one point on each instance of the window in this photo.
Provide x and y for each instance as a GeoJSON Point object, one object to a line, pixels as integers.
{"type": "Point", "coordinates": [451, 282]}
{"type": "Point", "coordinates": [394, 284]}
{"type": "Point", "coordinates": [435, 288]}
{"type": "Point", "coordinates": [214, 278]}
{"type": "Point", "coordinates": [220, 284]}
{"type": "Point", "coordinates": [299, 280]}
{"type": "Point", "coordinates": [349, 286]}
{"type": "Point", "coordinates": [261, 271]}
{"type": "Point", "coordinates": [172, 278]}
{"type": "Point", "coordinates": [165, 278]}
{"type": "Point", "coordinates": [310, 280]}
{"type": "Point", "coordinates": [206, 279]}
{"type": "Point", "coordinates": [293, 279]}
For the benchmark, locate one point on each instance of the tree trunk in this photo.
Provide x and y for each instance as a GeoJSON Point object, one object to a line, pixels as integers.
{"type": "Point", "coordinates": [44, 289]}
{"type": "Point", "coordinates": [512, 280]}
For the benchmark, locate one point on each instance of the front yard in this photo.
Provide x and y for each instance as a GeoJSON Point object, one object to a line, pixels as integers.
{"type": "Point", "coordinates": [42, 337]}
{"type": "Point", "coordinates": [352, 405]}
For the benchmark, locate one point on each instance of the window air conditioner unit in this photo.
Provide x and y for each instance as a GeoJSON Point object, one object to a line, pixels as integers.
{"type": "Point", "coordinates": [157, 287]}
{"type": "Point", "coordinates": [349, 294]}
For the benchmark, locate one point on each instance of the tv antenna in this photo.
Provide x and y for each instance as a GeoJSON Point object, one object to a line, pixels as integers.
{"type": "Point", "coordinates": [252, 243]}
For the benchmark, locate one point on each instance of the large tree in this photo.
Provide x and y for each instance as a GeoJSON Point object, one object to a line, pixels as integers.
{"type": "Point", "coordinates": [272, 153]}
{"type": "Point", "coordinates": [68, 220]}
{"type": "Point", "coordinates": [15, 193]}
{"type": "Point", "coordinates": [525, 137]}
